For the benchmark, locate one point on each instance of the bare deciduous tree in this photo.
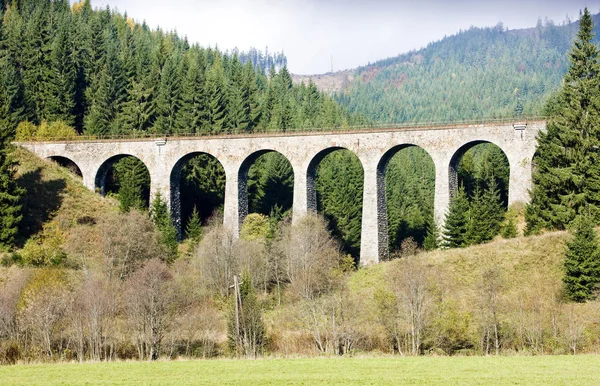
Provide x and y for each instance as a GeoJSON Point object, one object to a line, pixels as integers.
{"type": "Point", "coordinates": [309, 255]}
{"type": "Point", "coordinates": [409, 279]}
{"type": "Point", "coordinates": [217, 258]}
{"type": "Point", "coordinates": [44, 301]}
{"type": "Point", "coordinates": [150, 306]}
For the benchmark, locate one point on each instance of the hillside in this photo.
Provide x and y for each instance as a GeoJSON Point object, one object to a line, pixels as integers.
{"type": "Point", "coordinates": [504, 296]}
{"type": "Point", "coordinates": [480, 73]}
{"type": "Point", "coordinates": [56, 205]}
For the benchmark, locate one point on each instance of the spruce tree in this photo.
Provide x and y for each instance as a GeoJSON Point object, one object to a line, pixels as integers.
{"type": "Point", "coordinates": [582, 262]}
{"type": "Point", "coordinates": [457, 221]}
{"type": "Point", "coordinates": [10, 195]}
{"type": "Point", "coordinates": [567, 176]}
{"type": "Point", "coordinates": [168, 99]}
{"type": "Point", "coordinates": [61, 79]}
{"type": "Point", "coordinates": [132, 178]}
{"type": "Point", "coordinates": [193, 97]}
{"type": "Point", "coordinates": [159, 212]}
{"type": "Point", "coordinates": [477, 228]}
{"type": "Point", "coordinates": [193, 229]}
{"type": "Point", "coordinates": [431, 240]}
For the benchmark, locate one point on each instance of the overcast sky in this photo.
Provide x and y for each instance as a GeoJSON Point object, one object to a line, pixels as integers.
{"type": "Point", "coordinates": [314, 33]}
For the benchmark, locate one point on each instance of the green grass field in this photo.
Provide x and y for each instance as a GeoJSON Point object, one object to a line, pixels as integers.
{"type": "Point", "coordinates": [537, 370]}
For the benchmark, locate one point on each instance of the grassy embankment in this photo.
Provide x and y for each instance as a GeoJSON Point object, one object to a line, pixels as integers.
{"type": "Point", "coordinates": [535, 370]}
{"type": "Point", "coordinates": [56, 201]}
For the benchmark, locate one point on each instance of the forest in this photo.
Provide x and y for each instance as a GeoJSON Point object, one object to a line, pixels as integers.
{"type": "Point", "coordinates": [86, 277]}
{"type": "Point", "coordinates": [476, 74]}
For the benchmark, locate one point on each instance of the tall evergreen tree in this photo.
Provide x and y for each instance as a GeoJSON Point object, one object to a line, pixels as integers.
{"type": "Point", "coordinates": [582, 262]}
{"type": "Point", "coordinates": [193, 229]}
{"type": "Point", "coordinates": [168, 99]}
{"type": "Point", "coordinates": [10, 194]}
{"type": "Point", "coordinates": [161, 217]}
{"type": "Point", "coordinates": [216, 103]}
{"type": "Point", "coordinates": [457, 221]}
{"type": "Point", "coordinates": [567, 176]}
{"type": "Point", "coordinates": [61, 79]}
{"type": "Point", "coordinates": [193, 96]}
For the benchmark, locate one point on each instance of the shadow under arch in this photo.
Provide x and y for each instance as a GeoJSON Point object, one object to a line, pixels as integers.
{"type": "Point", "coordinates": [382, 209]}
{"type": "Point", "coordinates": [243, 202]}
{"type": "Point", "coordinates": [453, 182]}
{"type": "Point", "coordinates": [311, 175]}
{"type": "Point", "coordinates": [105, 168]}
{"type": "Point", "coordinates": [175, 185]}
{"type": "Point", "coordinates": [351, 210]}
{"type": "Point", "coordinates": [67, 163]}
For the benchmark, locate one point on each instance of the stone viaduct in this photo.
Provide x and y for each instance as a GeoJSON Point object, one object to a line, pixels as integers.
{"type": "Point", "coordinates": [165, 157]}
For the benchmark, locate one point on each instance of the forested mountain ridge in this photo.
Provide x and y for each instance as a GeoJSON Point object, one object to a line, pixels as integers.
{"type": "Point", "coordinates": [102, 73]}
{"type": "Point", "coordinates": [480, 73]}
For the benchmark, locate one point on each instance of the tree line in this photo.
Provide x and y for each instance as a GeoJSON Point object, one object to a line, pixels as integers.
{"type": "Point", "coordinates": [476, 74]}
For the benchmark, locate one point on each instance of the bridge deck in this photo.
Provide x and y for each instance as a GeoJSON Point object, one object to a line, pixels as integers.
{"type": "Point", "coordinates": [290, 133]}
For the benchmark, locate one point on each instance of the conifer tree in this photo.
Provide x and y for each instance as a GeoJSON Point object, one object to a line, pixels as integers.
{"type": "Point", "coordinates": [567, 177]}
{"type": "Point", "coordinates": [159, 212]}
{"type": "Point", "coordinates": [168, 99]}
{"type": "Point", "coordinates": [457, 221]}
{"type": "Point", "coordinates": [431, 240]}
{"type": "Point", "coordinates": [582, 262]}
{"type": "Point", "coordinates": [193, 229]}
{"type": "Point", "coordinates": [10, 195]}
{"type": "Point", "coordinates": [216, 101]}
{"type": "Point", "coordinates": [477, 228]}
{"type": "Point", "coordinates": [61, 79]}
{"type": "Point", "coordinates": [193, 97]}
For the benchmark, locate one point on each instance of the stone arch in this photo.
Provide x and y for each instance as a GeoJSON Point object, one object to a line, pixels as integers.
{"type": "Point", "coordinates": [67, 163]}
{"type": "Point", "coordinates": [382, 215]}
{"type": "Point", "coordinates": [100, 179]}
{"type": "Point", "coordinates": [312, 204]}
{"type": "Point", "coordinates": [243, 181]}
{"type": "Point", "coordinates": [455, 160]}
{"type": "Point", "coordinates": [175, 186]}
{"type": "Point", "coordinates": [311, 175]}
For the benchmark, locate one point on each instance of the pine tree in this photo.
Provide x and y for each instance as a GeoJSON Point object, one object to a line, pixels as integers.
{"type": "Point", "coordinates": [159, 212]}
{"type": "Point", "coordinates": [168, 99]}
{"type": "Point", "coordinates": [10, 195]}
{"type": "Point", "coordinates": [193, 229]}
{"type": "Point", "coordinates": [216, 101]}
{"type": "Point", "coordinates": [457, 221]}
{"type": "Point", "coordinates": [567, 177]}
{"type": "Point", "coordinates": [132, 179]}
{"type": "Point", "coordinates": [61, 91]}
{"type": "Point", "coordinates": [193, 97]}
{"type": "Point", "coordinates": [431, 240]}
{"type": "Point", "coordinates": [582, 262]}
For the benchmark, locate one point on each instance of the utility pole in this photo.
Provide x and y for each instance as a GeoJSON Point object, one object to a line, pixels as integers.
{"type": "Point", "coordinates": [236, 291]}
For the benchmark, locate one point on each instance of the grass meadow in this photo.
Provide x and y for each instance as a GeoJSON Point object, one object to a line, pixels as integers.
{"type": "Point", "coordinates": [502, 370]}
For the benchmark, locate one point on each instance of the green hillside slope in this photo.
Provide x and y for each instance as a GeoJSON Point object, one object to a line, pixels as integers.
{"type": "Point", "coordinates": [480, 73]}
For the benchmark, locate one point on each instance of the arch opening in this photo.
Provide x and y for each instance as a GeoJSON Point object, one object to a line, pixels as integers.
{"type": "Point", "coordinates": [335, 183]}
{"type": "Point", "coordinates": [266, 185]}
{"type": "Point", "coordinates": [479, 177]}
{"type": "Point", "coordinates": [67, 163]}
{"type": "Point", "coordinates": [126, 177]}
{"type": "Point", "coordinates": [476, 165]}
{"type": "Point", "coordinates": [197, 182]}
{"type": "Point", "coordinates": [405, 190]}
